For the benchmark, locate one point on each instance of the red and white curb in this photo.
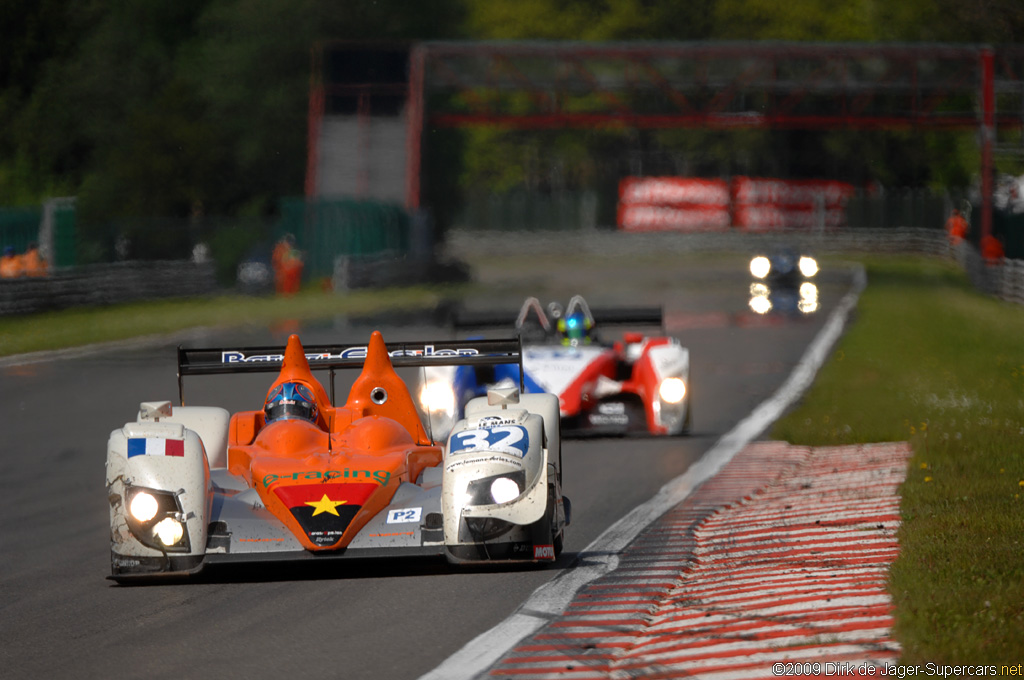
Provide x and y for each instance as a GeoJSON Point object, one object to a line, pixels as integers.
{"type": "Point", "coordinates": [603, 556]}
{"type": "Point", "coordinates": [742, 576]}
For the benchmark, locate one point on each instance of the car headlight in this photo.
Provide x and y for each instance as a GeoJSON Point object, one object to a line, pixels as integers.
{"type": "Point", "coordinates": [672, 390]}
{"type": "Point", "coordinates": [143, 507]}
{"type": "Point", "coordinates": [760, 304]}
{"type": "Point", "coordinates": [808, 298]}
{"type": "Point", "coordinates": [156, 520]}
{"type": "Point", "coordinates": [760, 266]}
{"type": "Point", "coordinates": [504, 489]}
{"type": "Point", "coordinates": [496, 489]}
{"type": "Point", "coordinates": [437, 396]}
{"type": "Point", "coordinates": [169, 531]}
{"type": "Point", "coordinates": [808, 266]}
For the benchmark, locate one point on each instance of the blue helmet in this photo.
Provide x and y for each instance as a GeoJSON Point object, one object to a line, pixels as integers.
{"type": "Point", "coordinates": [290, 400]}
{"type": "Point", "coordinates": [575, 329]}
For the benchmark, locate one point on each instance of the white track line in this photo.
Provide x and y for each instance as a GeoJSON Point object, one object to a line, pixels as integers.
{"type": "Point", "coordinates": [601, 556]}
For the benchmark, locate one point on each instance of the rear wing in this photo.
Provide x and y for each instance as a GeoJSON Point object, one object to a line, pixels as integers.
{"type": "Point", "coordinates": [220, 361]}
{"type": "Point", "coordinates": [629, 316]}
{"type": "Point", "coordinates": [612, 316]}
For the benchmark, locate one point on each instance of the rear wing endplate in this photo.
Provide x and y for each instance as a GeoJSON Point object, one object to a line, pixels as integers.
{"type": "Point", "coordinates": [220, 361]}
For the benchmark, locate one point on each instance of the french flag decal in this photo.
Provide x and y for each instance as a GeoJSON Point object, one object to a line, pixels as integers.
{"type": "Point", "coordinates": [156, 447]}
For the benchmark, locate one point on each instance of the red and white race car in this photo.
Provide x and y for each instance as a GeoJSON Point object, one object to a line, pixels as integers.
{"type": "Point", "coordinates": [638, 384]}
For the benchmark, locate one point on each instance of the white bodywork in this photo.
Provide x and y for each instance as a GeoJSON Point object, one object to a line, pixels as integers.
{"type": "Point", "coordinates": [504, 433]}
{"type": "Point", "coordinates": [179, 454]}
{"type": "Point", "coordinates": [153, 465]}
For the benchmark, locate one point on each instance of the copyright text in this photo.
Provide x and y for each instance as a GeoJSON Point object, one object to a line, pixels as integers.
{"type": "Point", "coordinates": [931, 670]}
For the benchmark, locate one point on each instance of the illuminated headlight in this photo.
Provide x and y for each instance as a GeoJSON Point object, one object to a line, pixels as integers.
{"type": "Point", "coordinates": [155, 519]}
{"type": "Point", "coordinates": [503, 490]}
{"type": "Point", "coordinates": [143, 507]}
{"type": "Point", "coordinates": [808, 298]}
{"type": "Point", "coordinates": [495, 489]}
{"type": "Point", "coordinates": [169, 531]}
{"type": "Point", "coordinates": [437, 396]}
{"type": "Point", "coordinates": [760, 304]}
{"type": "Point", "coordinates": [760, 266]}
{"type": "Point", "coordinates": [808, 266]}
{"type": "Point", "coordinates": [672, 390]}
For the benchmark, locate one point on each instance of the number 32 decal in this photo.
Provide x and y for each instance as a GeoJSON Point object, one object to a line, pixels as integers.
{"type": "Point", "coordinates": [513, 440]}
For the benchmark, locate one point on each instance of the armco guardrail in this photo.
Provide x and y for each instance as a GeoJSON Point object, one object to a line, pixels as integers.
{"type": "Point", "coordinates": [105, 284]}
{"type": "Point", "coordinates": [1004, 279]}
{"type": "Point", "coordinates": [463, 243]}
{"type": "Point", "coordinates": [1011, 284]}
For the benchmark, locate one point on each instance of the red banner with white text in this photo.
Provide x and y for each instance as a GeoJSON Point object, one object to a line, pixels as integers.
{"type": "Point", "coordinates": [673, 204]}
{"type": "Point", "coordinates": [688, 204]}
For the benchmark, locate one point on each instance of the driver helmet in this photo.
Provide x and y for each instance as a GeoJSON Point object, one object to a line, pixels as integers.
{"type": "Point", "coordinates": [290, 400]}
{"type": "Point", "coordinates": [575, 329]}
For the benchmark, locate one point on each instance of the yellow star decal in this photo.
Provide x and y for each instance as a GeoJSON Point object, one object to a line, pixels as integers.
{"type": "Point", "coordinates": [325, 504]}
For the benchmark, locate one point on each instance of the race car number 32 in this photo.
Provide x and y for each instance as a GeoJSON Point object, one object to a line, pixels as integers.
{"type": "Point", "coordinates": [513, 440]}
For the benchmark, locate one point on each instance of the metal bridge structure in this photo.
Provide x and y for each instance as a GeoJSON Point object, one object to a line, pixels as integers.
{"type": "Point", "coordinates": [728, 85]}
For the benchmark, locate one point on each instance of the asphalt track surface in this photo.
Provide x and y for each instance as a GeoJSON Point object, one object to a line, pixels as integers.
{"type": "Point", "coordinates": [60, 617]}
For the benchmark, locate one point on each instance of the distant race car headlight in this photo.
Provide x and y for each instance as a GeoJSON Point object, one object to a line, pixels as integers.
{"type": "Point", "coordinates": [437, 396]}
{"type": "Point", "coordinates": [504, 489]}
{"type": "Point", "coordinates": [760, 298]}
{"type": "Point", "coordinates": [672, 390]}
{"type": "Point", "coordinates": [808, 298]}
{"type": "Point", "coordinates": [808, 266]}
{"type": "Point", "coordinates": [143, 507]}
{"type": "Point", "coordinates": [156, 520]}
{"type": "Point", "coordinates": [760, 304]}
{"type": "Point", "coordinates": [760, 266]}
{"type": "Point", "coordinates": [169, 531]}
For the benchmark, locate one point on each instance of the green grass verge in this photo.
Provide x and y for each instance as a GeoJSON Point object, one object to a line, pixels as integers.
{"type": "Point", "coordinates": [929, 360]}
{"type": "Point", "coordinates": [76, 327]}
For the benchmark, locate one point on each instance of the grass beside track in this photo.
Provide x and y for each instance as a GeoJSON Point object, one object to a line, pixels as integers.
{"type": "Point", "coordinates": [925, 359]}
{"type": "Point", "coordinates": [929, 360]}
{"type": "Point", "coordinates": [76, 327]}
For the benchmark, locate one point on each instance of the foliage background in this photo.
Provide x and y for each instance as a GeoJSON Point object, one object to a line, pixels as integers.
{"type": "Point", "coordinates": [198, 107]}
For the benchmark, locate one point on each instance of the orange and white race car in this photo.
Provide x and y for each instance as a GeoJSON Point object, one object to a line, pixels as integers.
{"type": "Point", "coordinates": [302, 478]}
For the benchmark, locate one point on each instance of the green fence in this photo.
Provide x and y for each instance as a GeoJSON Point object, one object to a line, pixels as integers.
{"type": "Point", "coordinates": [899, 208]}
{"type": "Point", "coordinates": [326, 229]}
{"type": "Point", "coordinates": [535, 211]}
{"type": "Point", "coordinates": [19, 227]}
{"type": "Point", "coordinates": [65, 234]}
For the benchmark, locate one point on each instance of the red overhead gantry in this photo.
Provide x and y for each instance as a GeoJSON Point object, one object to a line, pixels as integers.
{"type": "Point", "coordinates": [546, 85]}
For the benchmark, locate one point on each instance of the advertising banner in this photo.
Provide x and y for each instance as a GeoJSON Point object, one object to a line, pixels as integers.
{"type": "Point", "coordinates": [673, 204]}
{"type": "Point", "coordinates": [690, 204]}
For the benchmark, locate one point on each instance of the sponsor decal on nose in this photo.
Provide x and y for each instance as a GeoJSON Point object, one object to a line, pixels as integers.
{"type": "Point", "coordinates": [324, 511]}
